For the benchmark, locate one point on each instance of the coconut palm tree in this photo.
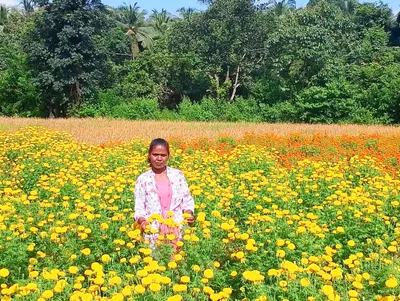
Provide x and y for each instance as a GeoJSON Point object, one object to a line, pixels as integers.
{"type": "Point", "coordinates": [139, 33]}
{"type": "Point", "coordinates": [279, 8]}
{"type": "Point", "coordinates": [186, 12]}
{"type": "Point", "coordinates": [3, 17]}
{"type": "Point", "coordinates": [28, 5]}
{"type": "Point", "coordinates": [3, 14]}
{"type": "Point", "coordinates": [161, 20]}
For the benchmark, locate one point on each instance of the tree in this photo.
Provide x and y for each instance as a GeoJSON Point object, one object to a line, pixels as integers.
{"type": "Point", "coordinates": [19, 95]}
{"type": "Point", "coordinates": [138, 32]}
{"type": "Point", "coordinates": [161, 21]}
{"type": "Point", "coordinates": [345, 6]}
{"type": "Point", "coordinates": [301, 47]}
{"type": "Point", "coordinates": [187, 12]}
{"type": "Point", "coordinates": [3, 17]}
{"type": "Point", "coordinates": [227, 37]}
{"type": "Point", "coordinates": [279, 8]}
{"type": "Point", "coordinates": [395, 31]}
{"type": "Point", "coordinates": [62, 52]}
{"type": "Point", "coordinates": [28, 5]}
{"type": "Point", "coordinates": [368, 15]}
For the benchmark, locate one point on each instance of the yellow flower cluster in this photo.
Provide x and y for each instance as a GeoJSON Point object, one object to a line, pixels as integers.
{"type": "Point", "coordinates": [319, 230]}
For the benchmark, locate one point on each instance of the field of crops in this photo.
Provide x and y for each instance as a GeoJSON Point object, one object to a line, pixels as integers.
{"type": "Point", "coordinates": [277, 218]}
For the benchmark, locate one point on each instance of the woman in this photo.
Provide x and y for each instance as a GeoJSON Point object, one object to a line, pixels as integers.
{"type": "Point", "coordinates": [162, 190]}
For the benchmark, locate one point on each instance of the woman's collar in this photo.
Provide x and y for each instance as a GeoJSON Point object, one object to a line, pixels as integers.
{"type": "Point", "coordinates": [153, 174]}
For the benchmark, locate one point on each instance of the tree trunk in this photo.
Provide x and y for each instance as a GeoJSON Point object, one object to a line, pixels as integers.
{"type": "Point", "coordinates": [235, 85]}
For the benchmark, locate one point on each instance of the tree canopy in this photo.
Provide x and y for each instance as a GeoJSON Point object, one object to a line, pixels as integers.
{"type": "Point", "coordinates": [332, 61]}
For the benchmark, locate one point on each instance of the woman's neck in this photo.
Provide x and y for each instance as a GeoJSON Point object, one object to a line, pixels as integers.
{"type": "Point", "coordinates": [159, 171]}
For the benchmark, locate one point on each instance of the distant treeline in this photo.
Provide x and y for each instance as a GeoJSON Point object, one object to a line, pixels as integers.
{"type": "Point", "coordinates": [334, 61]}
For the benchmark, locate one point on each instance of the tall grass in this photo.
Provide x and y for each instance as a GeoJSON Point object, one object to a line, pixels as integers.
{"type": "Point", "coordinates": [100, 130]}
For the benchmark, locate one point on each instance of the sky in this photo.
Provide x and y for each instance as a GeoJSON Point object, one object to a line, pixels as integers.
{"type": "Point", "coordinates": [173, 5]}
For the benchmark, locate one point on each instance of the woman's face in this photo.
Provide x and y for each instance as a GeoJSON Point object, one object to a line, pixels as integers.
{"type": "Point", "coordinates": [158, 157]}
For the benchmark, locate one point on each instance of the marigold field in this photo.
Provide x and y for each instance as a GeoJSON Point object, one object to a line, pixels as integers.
{"type": "Point", "coordinates": [277, 218]}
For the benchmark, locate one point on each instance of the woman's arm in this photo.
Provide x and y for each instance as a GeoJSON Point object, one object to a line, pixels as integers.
{"type": "Point", "coordinates": [139, 197]}
{"type": "Point", "coordinates": [187, 202]}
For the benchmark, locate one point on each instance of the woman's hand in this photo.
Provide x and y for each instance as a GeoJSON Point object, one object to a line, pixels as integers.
{"type": "Point", "coordinates": [190, 218]}
{"type": "Point", "coordinates": [143, 224]}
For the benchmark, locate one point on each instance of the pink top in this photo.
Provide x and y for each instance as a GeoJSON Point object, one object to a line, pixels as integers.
{"type": "Point", "coordinates": [164, 191]}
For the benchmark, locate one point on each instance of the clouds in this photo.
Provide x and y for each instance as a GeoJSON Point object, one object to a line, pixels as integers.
{"type": "Point", "coordinates": [9, 2]}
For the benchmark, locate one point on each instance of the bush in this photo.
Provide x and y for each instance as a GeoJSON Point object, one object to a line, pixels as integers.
{"type": "Point", "coordinates": [280, 112]}
{"type": "Point", "coordinates": [210, 109]}
{"type": "Point", "coordinates": [207, 110]}
{"type": "Point", "coordinates": [167, 115]}
{"type": "Point", "coordinates": [243, 110]}
{"type": "Point", "coordinates": [332, 103]}
{"type": "Point", "coordinates": [137, 109]}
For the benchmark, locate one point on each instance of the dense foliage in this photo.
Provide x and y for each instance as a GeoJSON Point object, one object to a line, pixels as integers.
{"type": "Point", "coordinates": [334, 61]}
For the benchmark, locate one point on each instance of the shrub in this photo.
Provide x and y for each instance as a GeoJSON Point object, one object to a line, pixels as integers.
{"type": "Point", "coordinates": [137, 109]}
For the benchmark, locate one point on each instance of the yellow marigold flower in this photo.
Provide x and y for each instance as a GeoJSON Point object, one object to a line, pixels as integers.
{"type": "Point", "coordinates": [351, 243]}
{"type": "Point", "coordinates": [280, 253]}
{"type": "Point", "coordinates": [233, 273]}
{"type": "Point", "coordinates": [87, 297]}
{"type": "Point", "coordinates": [280, 242]}
{"type": "Point", "coordinates": [33, 274]}
{"type": "Point", "coordinates": [244, 236]}
{"type": "Point", "coordinates": [155, 287]}
{"type": "Point", "coordinates": [165, 280]}
{"type": "Point", "coordinates": [177, 288]}
{"type": "Point", "coordinates": [172, 265]}
{"type": "Point", "coordinates": [139, 289]}
{"type": "Point", "coordinates": [366, 276]}
{"type": "Point", "coordinates": [314, 268]}
{"type": "Point", "coordinates": [253, 276]}
{"type": "Point", "coordinates": [327, 290]}
{"type": "Point", "coordinates": [86, 251]}
{"type": "Point", "coordinates": [391, 283]}
{"type": "Point", "coordinates": [185, 279]}
{"type": "Point", "coordinates": [142, 273]}
{"type": "Point", "coordinates": [196, 268]}
{"type": "Point", "coordinates": [115, 281]}
{"type": "Point", "coordinates": [105, 258]}
{"type": "Point", "coordinates": [4, 273]}
{"type": "Point", "coordinates": [336, 273]}
{"type": "Point", "coordinates": [175, 298]}
{"type": "Point", "coordinates": [208, 274]}
{"type": "Point", "coordinates": [47, 294]}
{"type": "Point", "coordinates": [305, 282]}
{"type": "Point", "coordinates": [357, 285]}
{"type": "Point", "coordinates": [208, 290]}
{"type": "Point", "coordinates": [117, 297]}
{"type": "Point", "coordinates": [353, 293]}
{"type": "Point", "coordinates": [239, 255]}
{"type": "Point", "coordinates": [98, 280]}
{"type": "Point", "coordinates": [95, 266]}
{"type": "Point", "coordinates": [178, 257]}
{"type": "Point", "coordinates": [127, 291]}
{"type": "Point", "coordinates": [73, 269]}
{"type": "Point", "coordinates": [283, 283]}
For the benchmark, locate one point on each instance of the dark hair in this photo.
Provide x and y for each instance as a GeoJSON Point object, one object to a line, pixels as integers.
{"type": "Point", "coordinates": [158, 142]}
